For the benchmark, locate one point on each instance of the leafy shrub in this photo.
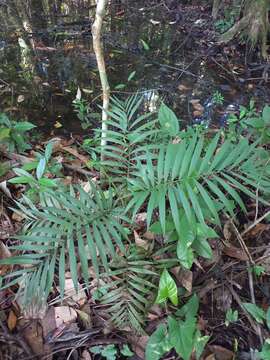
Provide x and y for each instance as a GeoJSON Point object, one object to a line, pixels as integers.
{"type": "Point", "coordinates": [13, 133]}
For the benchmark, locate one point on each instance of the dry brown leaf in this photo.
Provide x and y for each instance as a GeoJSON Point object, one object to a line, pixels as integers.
{"type": "Point", "coordinates": [140, 242]}
{"type": "Point", "coordinates": [223, 298]}
{"type": "Point", "coordinates": [72, 297]}
{"type": "Point", "coordinates": [185, 277]}
{"type": "Point", "coordinates": [64, 315]}
{"type": "Point", "coordinates": [210, 357]}
{"type": "Point", "coordinates": [12, 320]}
{"type": "Point", "coordinates": [183, 87]}
{"type": "Point", "coordinates": [197, 113]}
{"type": "Point", "coordinates": [32, 333]}
{"type": "Point", "coordinates": [258, 229]}
{"type": "Point", "coordinates": [236, 253]}
{"type": "Point", "coordinates": [227, 230]}
{"type": "Point", "coordinates": [4, 253]}
{"type": "Point", "coordinates": [16, 216]}
{"type": "Point", "coordinates": [75, 153]}
{"type": "Point", "coordinates": [221, 353]}
{"type": "Point", "coordinates": [138, 344]}
{"type": "Point", "coordinates": [85, 355]}
{"type": "Point", "coordinates": [149, 235]}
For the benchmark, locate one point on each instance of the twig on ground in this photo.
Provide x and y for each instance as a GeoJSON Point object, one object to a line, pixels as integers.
{"type": "Point", "coordinates": [255, 223]}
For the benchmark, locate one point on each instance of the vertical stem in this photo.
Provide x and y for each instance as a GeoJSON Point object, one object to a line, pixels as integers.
{"type": "Point", "coordinates": [98, 49]}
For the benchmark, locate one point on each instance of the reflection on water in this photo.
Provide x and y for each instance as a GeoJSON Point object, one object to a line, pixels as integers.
{"type": "Point", "coordinates": [46, 54]}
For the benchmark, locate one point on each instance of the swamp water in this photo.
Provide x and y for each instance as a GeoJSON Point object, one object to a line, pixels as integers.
{"type": "Point", "coordinates": [46, 54]}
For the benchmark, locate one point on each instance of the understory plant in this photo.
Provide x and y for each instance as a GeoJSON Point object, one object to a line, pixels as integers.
{"type": "Point", "coordinates": [185, 181]}
{"type": "Point", "coordinates": [13, 134]}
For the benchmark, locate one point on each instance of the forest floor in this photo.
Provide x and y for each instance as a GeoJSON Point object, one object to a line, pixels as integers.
{"type": "Point", "coordinates": [238, 272]}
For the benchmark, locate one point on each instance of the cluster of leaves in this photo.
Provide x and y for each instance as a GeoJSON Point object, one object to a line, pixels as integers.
{"type": "Point", "coordinates": [13, 134]}
{"type": "Point", "coordinates": [257, 124]}
{"type": "Point", "coordinates": [185, 183]}
{"type": "Point", "coordinates": [38, 182]}
{"type": "Point", "coordinates": [181, 334]}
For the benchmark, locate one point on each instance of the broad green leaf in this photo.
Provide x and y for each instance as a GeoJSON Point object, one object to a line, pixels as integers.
{"type": "Point", "coordinates": [24, 126]}
{"type": "Point", "coordinates": [4, 133]}
{"type": "Point", "coordinates": [126, 351]}
{"type": "Point", "coordinates": [48, 150]}
{"type": "Point", "coordinates": [168, 120]}
{"type": "Point", "coordinates": [190, 309]}
{"type": "Point", "coordinates": [41, 168]}
{"type": "Point", "coordinates": [21, 180]}
{"type": "Point", "coordinates": [167, 289]}
{"type": "Point", "coordinates": [202, 247]}
{"type": "Point", "coordinates": [184, 254]}
{"type": "Point", "coordinates": [47, 182]}
{"type": "Point", "coordinates": [200, 342]}
{"type": "Point", "coordinates": [268, 317]}
{"type": "Point", "coordinates": [181, 335]}
{"type": "Point", "coordinates": [145, 45]}
{"type": "Point", "coordinates": [256, 123]}
{"type": "Point", "coordinates": [266, 114]}
{"type": "Point", "coordinates": [158, 344]}
{"type": "Point", "coordinates": [255, 311]}
{"type": "Point", "coordinates": [131, 75]}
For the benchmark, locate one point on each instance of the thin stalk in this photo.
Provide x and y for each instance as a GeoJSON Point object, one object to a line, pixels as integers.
{"type": "Point", "coordinates": [98, 49]}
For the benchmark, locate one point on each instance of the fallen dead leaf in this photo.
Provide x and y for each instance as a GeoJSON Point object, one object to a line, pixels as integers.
{"type": "Point", "coordinates": [75, 153]}
{"type": "Point", "coordinates": [12, 320]}
{"type": "Point", "coordinates": [210, 357]}
{"type": "Point", "coordinates": [236, 253]}
{"type": "Point", "coordinates": [138, 344]}
{"type": "Point", "coordinates": [186, 277]}
{"type": "Point", "coordinates": [140, 242]}
{"type": "Point", "coordinates": [149, 235]}
{"type": "Point", "coordinates": [258, 229]}
{"type": "Point", "coordinates": [72, 297]}
{"type": "Point", "coordinates": [223, 298]}
{"type": "Point", "coordinates": [221, 353]}
{"type": "Point", "coordinates": [4, 253]}
{"type": "Point", "coordinates": [183, 87]}
{"type": "Point", "coordinates": [85, 355]}
{"type": "Point", "coordinates": [64, 314]}
{"type": "Point", "coordinates": [32, 333]}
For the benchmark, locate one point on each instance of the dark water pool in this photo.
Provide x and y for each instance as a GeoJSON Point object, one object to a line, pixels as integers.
{"type": "Point", "coordinates": [46, 54]}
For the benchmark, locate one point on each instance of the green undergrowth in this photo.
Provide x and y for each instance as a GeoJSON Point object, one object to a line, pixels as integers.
{"type": "Point", "coordinates": [186, 180]}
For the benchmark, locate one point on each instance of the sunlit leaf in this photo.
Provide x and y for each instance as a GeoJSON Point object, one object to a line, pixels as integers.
{"type": "Point", "coordinates": [167, 289]}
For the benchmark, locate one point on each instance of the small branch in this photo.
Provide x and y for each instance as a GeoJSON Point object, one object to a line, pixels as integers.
{"type": "Point", "coordinates": [98, 49]}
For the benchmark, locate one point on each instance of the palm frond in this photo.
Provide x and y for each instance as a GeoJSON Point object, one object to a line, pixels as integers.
{"type": "Point", "coordinates": [193, 177]}
{"type": "Point", "coordinates": [67, 231]}
{"type": "Point", "coordinates": [129, 291]}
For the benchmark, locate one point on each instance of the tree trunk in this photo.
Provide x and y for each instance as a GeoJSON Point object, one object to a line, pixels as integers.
{"type": "Point", "coordinates": [98, 49]}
